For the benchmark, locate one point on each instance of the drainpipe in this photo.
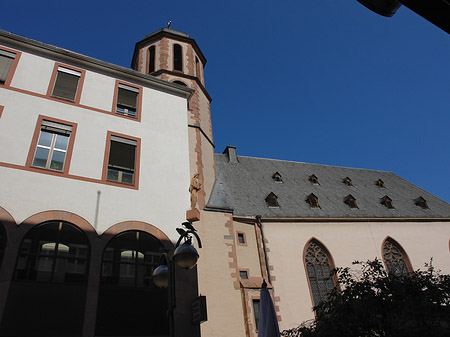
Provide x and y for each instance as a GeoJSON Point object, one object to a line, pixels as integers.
{"type": "Point", "coordinates": [259, 223]}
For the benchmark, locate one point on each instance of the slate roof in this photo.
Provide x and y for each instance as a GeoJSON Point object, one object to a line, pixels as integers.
{"type": "Point", "coordinates": [243, 183]}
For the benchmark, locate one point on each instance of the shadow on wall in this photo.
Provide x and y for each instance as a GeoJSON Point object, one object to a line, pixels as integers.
{"type": "Point", "coordinates": [59, 278]}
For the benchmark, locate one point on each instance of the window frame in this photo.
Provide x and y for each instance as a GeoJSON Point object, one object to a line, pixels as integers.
{"type": "Point", "coordinates": [256, 317]}
{"type": "Point", "coordinates": [350, 201]}
{"type": "Point", "coordinates": [244, 237]}
{"type": "Point", "coordinates": [151, 50]}
{"type": "Point", "coordinates": [313, 201]}
{"type": "Point", "coordinates": [386, 201]}
{"type": "Point", "coordinates": [272, 197]}
{"type": "Point", "coordinates": [13, 68]}
{"type": "Point", "coordinates": [175, 68]}
{"type": "Point", "coordinates": [244, 272]}
{"type": "Point", "coordinates": [400, 249]}
{"type": "Point", "coordinates": [137, 155]}
{"type": "Point", "coordinates": [35, 139]}
{"type": "Point", "coordinates": [421, 202]}
{"type": "Point", "coordinates": [138, 100]}
{"type": "Point", "coordinates": [42, 259]}
{"type": "Point", "coordinates": [52, 83]}
{"type": "Point", "coordinates": [332, 266]}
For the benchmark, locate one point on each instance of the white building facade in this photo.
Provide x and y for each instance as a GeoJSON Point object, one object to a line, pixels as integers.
{"type": "Point", "coordinates": [94, 169]}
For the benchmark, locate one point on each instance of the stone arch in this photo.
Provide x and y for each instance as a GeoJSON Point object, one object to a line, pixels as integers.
{"type": "Point", "coordinates": [131, 252]}
{"type": "Point", "coordinates": [40, 281]}
{"type": "Point", "coordinates": [139, 226]}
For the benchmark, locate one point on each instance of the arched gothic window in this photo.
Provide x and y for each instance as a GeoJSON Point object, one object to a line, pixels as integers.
{"type": "Point", "coordinates": [51, 274]}
{"type": "Point", "coordinates": [129, 303]}
{"type": "Point", "coordinates": [395, 258]}
{"type": "Point", "coordinates": [318, 266]}
{"type": "Point", "coordinates": [177, 57]}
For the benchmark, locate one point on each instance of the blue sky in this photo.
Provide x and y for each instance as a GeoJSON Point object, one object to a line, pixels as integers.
{"type": "Point", "coordinates": [320, 81]}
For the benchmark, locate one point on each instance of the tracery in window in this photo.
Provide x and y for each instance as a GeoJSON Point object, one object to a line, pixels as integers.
{"type": "Point", "coordinates": [395, 258]}
{"type": "Point", "coordinates": [313, 201]}
{"type": "Point", "coordinates": [319, 266]}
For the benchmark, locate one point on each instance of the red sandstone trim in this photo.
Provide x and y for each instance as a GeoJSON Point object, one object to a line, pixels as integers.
{"type": "Point", "coordinates": [138, 226]}
{"type": "Point", "coordinates": [330, 258]}
{"type": "Point", "coordinates": [35, 139]}
{"type": "Point", "coordinates": [69, 176]}
{"type": "Point", "coordinates": [136, 162]}
{"type": "Point", "coordinates": [139, 103]}
{"type": "Point", "coordinates": [245, 244]}
{"type": "Point", "coordinates": [13, 67]}
{"type": "Point", "coordinates": [79, 87]}
{"type": "Point", "coordinates": [22, 91]}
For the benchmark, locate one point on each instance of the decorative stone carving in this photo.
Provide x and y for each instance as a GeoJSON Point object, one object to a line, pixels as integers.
{"type": "Point", "coordinates": [194, 188]}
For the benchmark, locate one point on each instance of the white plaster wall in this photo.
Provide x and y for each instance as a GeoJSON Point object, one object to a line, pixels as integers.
{"type": "Point", "coordinates": [162, 198]}
{"type": "Point", "coordinates": [247, 256]}
{"type": "Point", "coordinates": [33, 73]}
{"type": "Point", "coordinates": [346, 242]}
{"type": "Point", "coordinates": [98, 91]}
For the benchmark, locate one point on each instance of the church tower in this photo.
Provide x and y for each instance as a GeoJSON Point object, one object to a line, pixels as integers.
{"type": "Point", "coordinates": [175, 57]}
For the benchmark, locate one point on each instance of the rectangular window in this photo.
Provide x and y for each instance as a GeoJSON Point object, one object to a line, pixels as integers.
{"type": "Point", "coordinates": [6, 62]}
{"type": "Point", "coordinates": [52, 145]}
{"type": "Point", "coordinates": [243, 274]}
{"type": "Point", "coordinates": [121, 160]}
{"type": "Point", "coordinates": [66, 84]}
{"type": "Point", "coordinates": [241, 238]}
{"type": "Point", "coordinates": [256, 312]}
{"type": "Point", "coordinates": [127, 100]}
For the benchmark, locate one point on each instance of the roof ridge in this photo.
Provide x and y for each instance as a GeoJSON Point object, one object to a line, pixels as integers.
{"type": "Point", "coordinates": [300, 162]}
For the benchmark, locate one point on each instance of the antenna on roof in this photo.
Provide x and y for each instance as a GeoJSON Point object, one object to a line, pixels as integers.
{"type": "Point", "coordinates": [168, 24]}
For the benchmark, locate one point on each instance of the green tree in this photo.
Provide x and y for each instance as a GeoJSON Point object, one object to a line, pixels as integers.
{"type": "Point", "coordinates": [372, 303]}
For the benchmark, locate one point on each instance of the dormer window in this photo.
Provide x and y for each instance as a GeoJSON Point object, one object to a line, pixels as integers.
{"type": "Point", "coordinates": [277, 177]}
{"type": "Point", "coordinates": [313, 179]}
{"type": "Point", "coordinates": [350, 201]}
{"type": "Point", "coordinates": [387, 202]}
{"type": "Point", "coordinates": [313, 201]}
{"type": "Point", "coordinates": [272, 200]}
{"type": "Point", "coordinates": [347, 181]}
{"type": "Point", "coordinates": [421, 202]}
{"type": "Point", "coordinates": [380, 183]}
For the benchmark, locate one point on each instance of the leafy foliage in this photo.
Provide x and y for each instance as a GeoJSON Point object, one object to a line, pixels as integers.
{"type": "Point", "coordinates": [373, 303]}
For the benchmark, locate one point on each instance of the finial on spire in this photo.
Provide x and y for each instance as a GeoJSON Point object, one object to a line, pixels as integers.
{"type": "Point", "coordinates": [168, 24]}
